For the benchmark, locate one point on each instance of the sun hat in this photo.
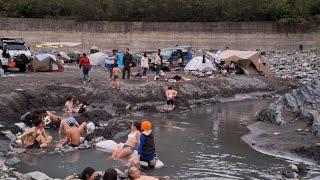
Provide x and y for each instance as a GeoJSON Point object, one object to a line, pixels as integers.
{"type": "Point", "coordinates": [70, 121]}
{"type": "Point", "coordinates": [146, 125]}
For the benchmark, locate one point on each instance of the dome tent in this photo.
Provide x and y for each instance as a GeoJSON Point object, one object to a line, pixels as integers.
{"type": "Point", "coordinates": [199, 64]}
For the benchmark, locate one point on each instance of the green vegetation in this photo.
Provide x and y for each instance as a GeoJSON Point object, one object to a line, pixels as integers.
{"type": "Point", "coordinates": [286, 11]}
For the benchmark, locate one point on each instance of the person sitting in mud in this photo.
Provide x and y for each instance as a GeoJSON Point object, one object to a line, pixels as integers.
{"type": "Point", "coordinates": [131, 144]}
{"type": "Point", "coordinates": [69, 105]}
{"type": "Point", "coordinates": [73, 133]}
{"type": "Point", "coordinates": [170, 94]}
{"type": "Point", "coordinates": [36, 137]}
{"type": "Point", "coordinates": [177, 78]}
{"type": "Point", "coordinates": [80, 107]}
{"type": "Point", "coordinates": [89, 174]}
{"type": "Point", "coordinates": [134, 174]}
{"type": "Point", "coordinates": [110, 174]}
{"type": "Point", "coordinates": [116, 77]}
{"type": "Point", "coordinates": [146, 149]}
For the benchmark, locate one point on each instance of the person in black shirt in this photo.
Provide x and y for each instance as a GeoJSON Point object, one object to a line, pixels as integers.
{"type": "Point", "coordinates": [127, 62]}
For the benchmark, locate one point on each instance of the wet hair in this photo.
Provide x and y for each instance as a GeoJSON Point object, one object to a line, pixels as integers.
{"type": "Point", "coordinates": [37, 122]}
{"type": "Point", "coordinates": [71, 124]}
{"type": "Point", "coordinates": [127, 49]}
{"type": "Point", "coordinates": [169, 87]}
{"type": "Point", "coordinates": [159, 51]}
{"type": "Point", "coordinates": [69, 98]}
{"type": "Point", "coordinates": [116, 65]}
{"type": "Point", "coordinates": [84, 54]}
{"type": "Point", "coordinates": [136, 124]}
{"type": "Point", "coordinates": [110, 174]}
{"type": "Point", "coordinates": [40, 111]}
{"type": "Point", "coordinates": [87, 172]}
{"type": "Point", "coordinates": [144, 54]}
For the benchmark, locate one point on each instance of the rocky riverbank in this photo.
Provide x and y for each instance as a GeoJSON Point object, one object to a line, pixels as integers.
{"type": "Point", "coordinates": [290, 127]}
{"type": "Point", "coordinates": [301, 65]}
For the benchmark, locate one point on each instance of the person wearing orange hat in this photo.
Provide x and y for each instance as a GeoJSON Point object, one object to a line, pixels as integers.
{"type": "Point", "coordinates": [146, 149]}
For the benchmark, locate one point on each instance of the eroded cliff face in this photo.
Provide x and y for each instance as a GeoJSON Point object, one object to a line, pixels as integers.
{"type": "Point", "coordinates": [301, 104]}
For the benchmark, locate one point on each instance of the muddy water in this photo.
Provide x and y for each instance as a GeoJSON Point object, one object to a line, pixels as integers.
{"type": "Point", "coordinates": [202, 143]}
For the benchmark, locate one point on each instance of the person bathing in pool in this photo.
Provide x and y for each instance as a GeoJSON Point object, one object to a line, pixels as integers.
{"type": "Point", "coordinates": [131, 143]}
{"type": "Point", "coordinates": [73, 133]}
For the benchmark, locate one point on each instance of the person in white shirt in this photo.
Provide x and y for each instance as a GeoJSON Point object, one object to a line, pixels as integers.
{"type": "Point", "coordinates": [145, 63]}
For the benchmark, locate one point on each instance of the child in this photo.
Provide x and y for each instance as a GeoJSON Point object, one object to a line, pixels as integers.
{"type": "Point", "coordinates": [116, 75]}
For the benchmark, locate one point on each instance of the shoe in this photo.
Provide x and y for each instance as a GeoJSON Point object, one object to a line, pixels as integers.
{"type": "Point", "coordinates": [89, 79]}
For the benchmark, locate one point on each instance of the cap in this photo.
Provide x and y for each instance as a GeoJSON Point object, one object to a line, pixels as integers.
{"type": "Point", "coordinates": [146, 125]}
{"type": "Point", "coordinates": [71, 121]}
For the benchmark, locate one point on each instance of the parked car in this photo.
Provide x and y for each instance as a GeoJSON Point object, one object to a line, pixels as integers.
{"type": "Point", "coordinates": [14, 48]}
{"type": "Point", "coordinates": [171, 56]}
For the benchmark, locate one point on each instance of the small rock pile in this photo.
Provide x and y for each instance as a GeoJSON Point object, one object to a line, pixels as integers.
{"type": "Point", "coordinates": [301, 65]}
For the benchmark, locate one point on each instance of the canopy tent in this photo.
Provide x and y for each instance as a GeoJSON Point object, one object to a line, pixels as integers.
{"type": "Point", "coordinates": [198, 64]}
{"type": "Point", "coordinates": [97, 59]}
{"type": "Point", "coordinates": [249, 61]}
{"type": "Point", "coordinates": [57, 44]}
{"type": "Point", "coordinates": [46, 62]}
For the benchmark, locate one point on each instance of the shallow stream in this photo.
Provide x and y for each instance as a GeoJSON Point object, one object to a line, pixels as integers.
{"type": "Point", "coordinates": [204, 143]}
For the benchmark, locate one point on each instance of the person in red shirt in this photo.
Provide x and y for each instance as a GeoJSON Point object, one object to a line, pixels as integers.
{"type": "Point", "coordinates": [86, 66]}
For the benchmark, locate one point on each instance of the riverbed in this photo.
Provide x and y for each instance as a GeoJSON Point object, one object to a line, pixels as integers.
{"type": "Point", "coordinates": [202, 143]}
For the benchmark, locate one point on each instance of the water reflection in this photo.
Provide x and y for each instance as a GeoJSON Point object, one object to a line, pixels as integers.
{"type": "Point", "coordinates": [203, 143]}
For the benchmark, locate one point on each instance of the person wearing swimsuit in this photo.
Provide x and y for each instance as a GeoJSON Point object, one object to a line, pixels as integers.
{"type": "Point", "coordinates": [116, 74]}
{"type": "Point", "coordinates": [131, 143]}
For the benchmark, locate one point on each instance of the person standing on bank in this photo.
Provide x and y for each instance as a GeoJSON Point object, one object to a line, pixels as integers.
{"type": "Point", "coordinates": [158, 63]}
{"type": "Point", "coordinates": [127, 62]}
{"type": "Point", "coordinates": [86, 66]}
{"type": "Point", "coordinates": [145, 63]}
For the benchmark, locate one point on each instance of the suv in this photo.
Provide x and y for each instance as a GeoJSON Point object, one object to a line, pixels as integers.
{"type": "Point", "coordinates": [170, 56]}
{"type": "Point", "coordinates": [17, 50]}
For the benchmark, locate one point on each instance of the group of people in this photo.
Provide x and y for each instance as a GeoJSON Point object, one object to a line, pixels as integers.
{"type": "Point", "coordinates": [115, 72]}
{"type": "Point", "coordinates": [70, 130]}
{"type": "Point", "coordinates": [141, 140]}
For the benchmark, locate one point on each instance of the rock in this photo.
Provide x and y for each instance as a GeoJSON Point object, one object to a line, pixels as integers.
{"type": "Point", "coordinates": [13, 161]}
{"type": "Point", "coordinates": [3, 167]}
{"type": "Point", "coordinates": [37, 175]}
{"type": "Point", "coordinates": [276, 133]}
{"type": "Point", "coordinates": [294, 168]}
{"type": "Point", "coordinates": [300, 103]}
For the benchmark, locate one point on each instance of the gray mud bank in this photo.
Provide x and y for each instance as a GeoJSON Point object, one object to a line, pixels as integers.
{"type": "Point", "coordinates": [290, 127]}
{"type": "Point", "coordinates": [25, 92]}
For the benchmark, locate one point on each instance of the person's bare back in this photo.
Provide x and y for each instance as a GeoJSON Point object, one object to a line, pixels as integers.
{"type": "Point", "coordinates": [74, 136]}
{"type": "Point", "coordinates": [171, 94]}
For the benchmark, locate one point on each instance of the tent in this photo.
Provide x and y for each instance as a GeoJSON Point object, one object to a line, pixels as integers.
{"type": "Point", "coordinates": [97, 59]}
{"type": "Point", "coordinates": [197, 64]}
{"type": "Point", "coordinates": [250, 62]}
{"type": "Point", "coordinates": [46, 62]}
{"type": "Point", "coordinates": [64, 56]}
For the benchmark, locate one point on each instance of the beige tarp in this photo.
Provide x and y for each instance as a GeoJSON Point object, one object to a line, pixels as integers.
{"type": "Point", "coordinates": [45, 65]}
{"type": "Point", "coordinates": [249, 61]}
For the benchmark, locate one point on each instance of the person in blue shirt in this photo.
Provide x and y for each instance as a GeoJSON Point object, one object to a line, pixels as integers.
{"type": "Point", "coordinates": [146, 149]}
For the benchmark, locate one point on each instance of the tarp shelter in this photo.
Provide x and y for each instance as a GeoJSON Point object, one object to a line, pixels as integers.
{"type": "Point", "coordinates": [97, 59]}
{"type": "Point", "coordinates": [46, 62]}
{"type": "Point", "coordinates": [64, 56]}
{"type": "Point", "coordinates": [197, 64]}
{"type": "Point", "coordinates": [249, 61]}
{"type": "Point", "coordinates": [57, 44]}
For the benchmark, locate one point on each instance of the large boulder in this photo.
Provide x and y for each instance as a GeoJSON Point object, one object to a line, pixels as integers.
{"type": "Point", "coordinates": [300, 104]}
